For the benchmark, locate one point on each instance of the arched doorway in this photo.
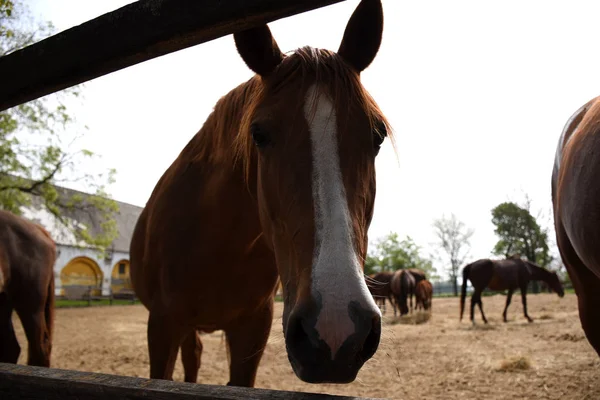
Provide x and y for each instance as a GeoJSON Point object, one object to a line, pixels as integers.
{"type": "Point", "coordinates": [79, 275]}
{"type": "Point", "coordinates": [120, 279]}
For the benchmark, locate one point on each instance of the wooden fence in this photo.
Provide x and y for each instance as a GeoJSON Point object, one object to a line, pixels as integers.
{"type": "Point", "coordinates": [132, 34]}
{"type": "Point", "coordinates": [36, 383]}
{"type": "Point", "coordinates": [135, 33]}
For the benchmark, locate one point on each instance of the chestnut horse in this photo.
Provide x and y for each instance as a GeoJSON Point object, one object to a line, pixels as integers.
{"type": "Point", "coordinates": [379, 286]}
{"type": "Point", "coordinates": [403, 286]}
{"type": "Point", "coordinates": [509, 274]}
{"type": "Point", "coordinates": [418, 274]}
{"type": "Point", "coordinates": [423, 294]}
{"type": "Point", "coordinates": [279, 183]}
{"type": "Point", "coordinates": [575, 196]}
{"type": "Point", "coordinates": [27, 256]}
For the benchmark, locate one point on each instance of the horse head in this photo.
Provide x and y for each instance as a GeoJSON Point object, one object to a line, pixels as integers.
{"type": "Point", "coordinates": [309, 142]}
{"type": "Point", "coordinates": [555, 284]}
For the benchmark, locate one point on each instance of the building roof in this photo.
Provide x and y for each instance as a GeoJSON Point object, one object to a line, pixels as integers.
{"type": "Point", "coordinates": [125, 218]}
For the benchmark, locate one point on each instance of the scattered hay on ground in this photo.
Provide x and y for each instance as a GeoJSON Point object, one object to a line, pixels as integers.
{"type": "Point", "coordinates": [416, 318]}
{"type": "Point", "coordinates": [515, 364]}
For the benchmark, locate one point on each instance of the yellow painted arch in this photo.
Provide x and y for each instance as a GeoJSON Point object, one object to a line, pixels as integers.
{"type": "Point", "coordinates": [120, 279]}
{"type": "Point", "coordinates": [81, 272]}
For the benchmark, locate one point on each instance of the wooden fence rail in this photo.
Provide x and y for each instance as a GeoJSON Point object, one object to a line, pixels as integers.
{"type": "Point", "coordinates": [137, 32]}
{"type": "Point", "coordinates": [36, 383]}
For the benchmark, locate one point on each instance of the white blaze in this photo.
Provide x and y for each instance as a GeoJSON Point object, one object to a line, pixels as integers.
{"type": "Point", "coordinates": [337, 278]}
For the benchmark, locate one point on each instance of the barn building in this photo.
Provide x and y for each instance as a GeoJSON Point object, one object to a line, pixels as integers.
{"type": "Point", "coordinates": [79, 267]}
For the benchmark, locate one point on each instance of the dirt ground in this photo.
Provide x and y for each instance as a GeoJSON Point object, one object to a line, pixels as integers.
{"type": "Point", "coordinates": [437, 359]}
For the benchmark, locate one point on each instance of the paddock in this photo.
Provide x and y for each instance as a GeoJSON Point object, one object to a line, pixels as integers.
{"type": "Point", "coordinates": [440, 358]}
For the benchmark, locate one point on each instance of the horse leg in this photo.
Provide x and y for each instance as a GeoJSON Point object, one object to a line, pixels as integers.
{"type": "Point", "coordinates": [476, 299]}
{"type": "Point", "coordinates": [9, 346]}
{"type": "Point", "coordinates": [164, 338]}
{"type": "Point", "coordinates": [191, 353]}
{"type": "Point", "coordinates": [508, 299]}
{"type": "Point", "coordinates": [247, 341]}
{"type": "Point", "coordinates": [473, 302]}
{"type": "Point", "coordinates": [38, 337]}
{"type": "Point", "coordinates": [485, 321]}
{"type": "Point", "coordinates": [524, 299]}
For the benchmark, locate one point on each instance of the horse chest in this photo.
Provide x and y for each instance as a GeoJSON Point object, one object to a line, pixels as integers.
{"type": "Point", "coordinates": [222, 295]}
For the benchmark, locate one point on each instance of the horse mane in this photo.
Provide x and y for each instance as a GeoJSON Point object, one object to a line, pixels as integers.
{"type": "Point", "coordinates": [225, 140]}
{"type": "Point", "coordinates": [214, 140]}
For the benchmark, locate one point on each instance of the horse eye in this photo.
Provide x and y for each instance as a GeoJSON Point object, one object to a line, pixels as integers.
{"type": "Point", "coordinates": [378, 139]}
{"type": "Point", "coordinates": [260, 138]}
{"type": "Point", "coordinates": [379, 135]}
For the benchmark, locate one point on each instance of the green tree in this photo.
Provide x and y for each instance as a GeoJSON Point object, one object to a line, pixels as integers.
{"type": "Point", "coordinates": [390, 254]}
{"type": "Point", "coordinates": [519, 232]}
{"type": "Point", "coordinates": [454, 242]}
{"type": "Point", "coordinates": [33, 155]}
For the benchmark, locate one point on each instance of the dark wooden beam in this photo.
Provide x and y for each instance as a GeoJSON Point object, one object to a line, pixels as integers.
{"type": "Point", "coordinates": [130, 35]}
{"type": "Point", "coordinates": [33, 383]}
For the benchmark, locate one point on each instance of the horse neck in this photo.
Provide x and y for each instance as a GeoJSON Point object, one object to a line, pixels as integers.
{"type": "Point", "coordinates": [538, 273]}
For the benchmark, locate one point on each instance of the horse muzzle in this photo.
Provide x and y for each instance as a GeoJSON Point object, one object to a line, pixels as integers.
{"type": "Point", "coordinates": [310, 354]}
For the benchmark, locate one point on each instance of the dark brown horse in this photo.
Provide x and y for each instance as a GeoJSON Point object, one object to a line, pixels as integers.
{"type": "Point", "coordinates": [379, 286]}
{"type": "Point", "coordinates": [509, 274]}
{"type": "Point", "coordinates": [27, 255]}
{"type": "Point", "coordinates": [278, 183]}
{"type": "Point", "coordinates": [575, 196]}
{"type": "Point", "coordinates": [403, 287]}
{"type": "Point", "coordinates": [423, 294]}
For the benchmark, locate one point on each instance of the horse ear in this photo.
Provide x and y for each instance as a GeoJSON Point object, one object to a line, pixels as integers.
{"type": "Point", "coordinates": [258, 49]}
{"type": "Point", "coordinates": [362, 36]}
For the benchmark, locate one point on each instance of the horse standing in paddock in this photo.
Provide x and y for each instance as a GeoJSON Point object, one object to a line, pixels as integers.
{"type": "Point", "coordinates": [278, 183]}
{"type": "Point", "coordinates": [403, 286]}
{"type": "Point", "coordinates": [423, 294]}
{"type": "Point", "coordinates": [575, 201]}
{"type": "Point", "coordinates": [418, 274]}
{"type": "Point", "coordinates": [27, 256]}
{"type": "Point", "coordinates": [379, 286]}
{"type": "Point", "coordinates": [509, 274]}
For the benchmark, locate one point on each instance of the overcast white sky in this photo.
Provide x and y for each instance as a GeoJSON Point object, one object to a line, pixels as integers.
{"type": "Point", "coordinates": [478, 93]}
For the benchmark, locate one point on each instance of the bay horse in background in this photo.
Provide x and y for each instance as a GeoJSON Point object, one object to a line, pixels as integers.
{"type": "Point", "coordinates": [510, 274]}
{"type": "Point", "coordinates": [423, 294]}
{"type": "Point", "coordinates": [379, 286]}
{"type": "Point", "coordinates": [575, 202]}
{"type": "Point", "coordinates": [403, 287]}
{"type": "Point", "coordinates": [27, 256]}
{"type": "Point", "coordinates": [279, 183]}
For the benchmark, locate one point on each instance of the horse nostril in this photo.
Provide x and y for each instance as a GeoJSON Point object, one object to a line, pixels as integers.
{"type": "Point", "coordinates": [371, 342]}
{"type": "Point", "coordinates": [297, 335]}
